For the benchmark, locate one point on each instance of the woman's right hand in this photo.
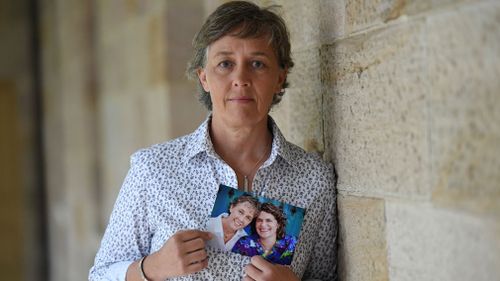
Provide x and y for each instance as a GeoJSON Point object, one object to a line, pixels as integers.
{"type": "Point", "coordinates": [183, 253]}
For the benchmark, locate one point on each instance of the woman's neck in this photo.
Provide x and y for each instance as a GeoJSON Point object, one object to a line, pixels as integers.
{"type": "Point", "coordinates": [267, 243]}
{"type": "Point", "coordinates": [243, 148]}
{"type": "Point", "coordinates": [228, 232]}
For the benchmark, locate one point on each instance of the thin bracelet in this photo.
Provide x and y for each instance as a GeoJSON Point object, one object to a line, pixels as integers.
{"type": "Point", "coordinates": [141, 269]}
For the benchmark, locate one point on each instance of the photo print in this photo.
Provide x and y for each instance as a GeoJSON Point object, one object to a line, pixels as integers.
{"type": "Point", "coordinates": [252, 225]}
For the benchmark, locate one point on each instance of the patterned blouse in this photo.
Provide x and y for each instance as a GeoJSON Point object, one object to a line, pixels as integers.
{"type": "Point", "coordinates": [281, 253]}
{"type": "Point", "coordinates": [173, 186]}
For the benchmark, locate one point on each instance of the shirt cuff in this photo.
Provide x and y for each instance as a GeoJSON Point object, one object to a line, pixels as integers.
{"type": "Point", "coordinates": [118, 271]}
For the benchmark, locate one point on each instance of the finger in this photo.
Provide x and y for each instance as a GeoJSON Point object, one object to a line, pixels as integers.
{"type": "Point", "coordinates": [188, 235]}
{"type": "Point", "coordinates": [205, 235]}
{"type": "Point", "coordinates": [247, 278]}
{"type": "Point", "coordinates": [197, 266]}
{"type": "Point", "coordinates": [193, 245]}
{"type": "Point", "coordinates": [260, 263]}
{"type": "Point", "coordinates": [197, 256]}
{"type": "Point", "coordinates": [252, 271]}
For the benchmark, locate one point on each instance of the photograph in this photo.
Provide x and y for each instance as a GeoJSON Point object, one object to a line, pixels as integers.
{"type": "Point", "coordinates": [251, 225]}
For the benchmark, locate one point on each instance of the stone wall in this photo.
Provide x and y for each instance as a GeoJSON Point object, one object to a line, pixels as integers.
{"type": "Point", "coordinates": [403, 97]}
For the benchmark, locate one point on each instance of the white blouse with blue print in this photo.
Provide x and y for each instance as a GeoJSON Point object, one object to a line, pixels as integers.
{"type": "Point", "coordinates": [173, 186]}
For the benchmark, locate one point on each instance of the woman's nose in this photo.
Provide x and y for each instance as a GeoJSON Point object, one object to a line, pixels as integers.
{"type": "Point", "coordinates": [241, 77]}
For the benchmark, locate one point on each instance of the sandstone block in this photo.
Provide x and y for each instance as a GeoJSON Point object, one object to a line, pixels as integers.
{"type": "Point", "coordinates": [362, 248]}
{"type": "Point", "coordinates": [312, 23]}
{"type": "Point", "coordinates": [280, 115]}
{"type": "Point", "coordinates": [375, 111]}
{"type": "Point", "coordinates": [429, 243]}
{"type": "Point", "coordinates": [305, 101]}
{"type": "Point", "coordinates": [464, 106]}
{"type": "Point", "coordinates": [362, 15]}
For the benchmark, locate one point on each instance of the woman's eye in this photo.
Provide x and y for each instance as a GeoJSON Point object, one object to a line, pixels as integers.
{"type": "Point", "coordinates": [257, 64]}
{"type": "Point", "coordinates": [225, 64]}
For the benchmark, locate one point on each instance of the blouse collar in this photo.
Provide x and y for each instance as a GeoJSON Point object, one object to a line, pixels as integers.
{"type": "Point", "coordinates": [200, 142]}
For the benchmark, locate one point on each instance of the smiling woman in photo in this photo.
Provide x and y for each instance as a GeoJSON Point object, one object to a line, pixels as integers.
{"type": "Point", "coordinates": [228, 228]}
{"type": "Point", "coordinates": [270, 240]}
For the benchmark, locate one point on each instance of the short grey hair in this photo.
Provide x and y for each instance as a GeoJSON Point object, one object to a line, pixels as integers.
{"type": "Point", "coordinates": [252, 22]}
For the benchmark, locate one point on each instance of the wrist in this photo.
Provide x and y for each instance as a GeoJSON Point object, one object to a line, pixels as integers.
{"type": "Point", "coordinates": [140, 268]}
{"type": "Point", "coordinates": [148, 269]}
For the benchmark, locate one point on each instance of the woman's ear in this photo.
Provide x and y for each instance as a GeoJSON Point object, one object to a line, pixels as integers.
{"type": "Point", "coordinates": [203, 79]}
{"type": "Point", "coordinates": [281, 79]}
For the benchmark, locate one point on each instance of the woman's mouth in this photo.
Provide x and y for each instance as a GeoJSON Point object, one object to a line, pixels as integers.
{"type": "Point", "coordinates": [241, 99]}
{"type": "Point", "coordinates": [238, 223]}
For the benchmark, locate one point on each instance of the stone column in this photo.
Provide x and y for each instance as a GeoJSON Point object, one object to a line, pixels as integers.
{"type": "Point", "coordinates": [69, 99]}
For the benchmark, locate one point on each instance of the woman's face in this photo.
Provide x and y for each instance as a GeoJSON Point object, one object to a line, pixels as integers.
{"type": "Point", "coordinates": [241, 215]}
{"type": "Point", "coordinates": [266, 225]}
{"type": "Point", "coordinates": [242, 75]}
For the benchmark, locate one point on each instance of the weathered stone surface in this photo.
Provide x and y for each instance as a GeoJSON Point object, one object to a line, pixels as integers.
{"type": "Point", "coordinates": [280, 114]}
{"type": "Point", "coordinates": [429, 243]}
{"type": "Point", "coordinates": [375, 112]}
{"type": "Point", "coordinates": [362, 241]}
{"type": "Point", "coordinates": [464, 59]}
{"type": "Point", "coordinates": [362, 15]}
{"type": "Point", "coordinates": [312, 23]}
{"type": "Point", "coordinates": [305, 99]}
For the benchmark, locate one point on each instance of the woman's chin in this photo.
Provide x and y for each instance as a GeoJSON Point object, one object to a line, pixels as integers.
{"type": "Point", "coordinates": [242, 118]}
{"type": "Point", "coordinates": [236, 228]}
{"type": "Point", "coordinates": [264, 235]}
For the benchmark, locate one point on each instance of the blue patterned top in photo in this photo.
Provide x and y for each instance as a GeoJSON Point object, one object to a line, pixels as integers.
{"type": "Point", "coordinates": [281, 253]}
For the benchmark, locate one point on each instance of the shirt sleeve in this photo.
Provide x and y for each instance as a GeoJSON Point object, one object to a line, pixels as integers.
{"type": "Point", "coordinates": [126, 238]}
{"type": "Point", "coordinates": [323, 262]}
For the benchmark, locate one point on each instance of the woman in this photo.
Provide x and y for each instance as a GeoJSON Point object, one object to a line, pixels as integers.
{"type": "Point", "coordinates": [156, 229]}
{"type": "Point", "coordinates": [229, 228]}
{"type": "Point", "coordinates": [270, 240]}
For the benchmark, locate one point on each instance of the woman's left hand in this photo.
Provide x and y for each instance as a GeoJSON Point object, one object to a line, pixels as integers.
{"type": "Point", "coordinates": [261, 270]}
